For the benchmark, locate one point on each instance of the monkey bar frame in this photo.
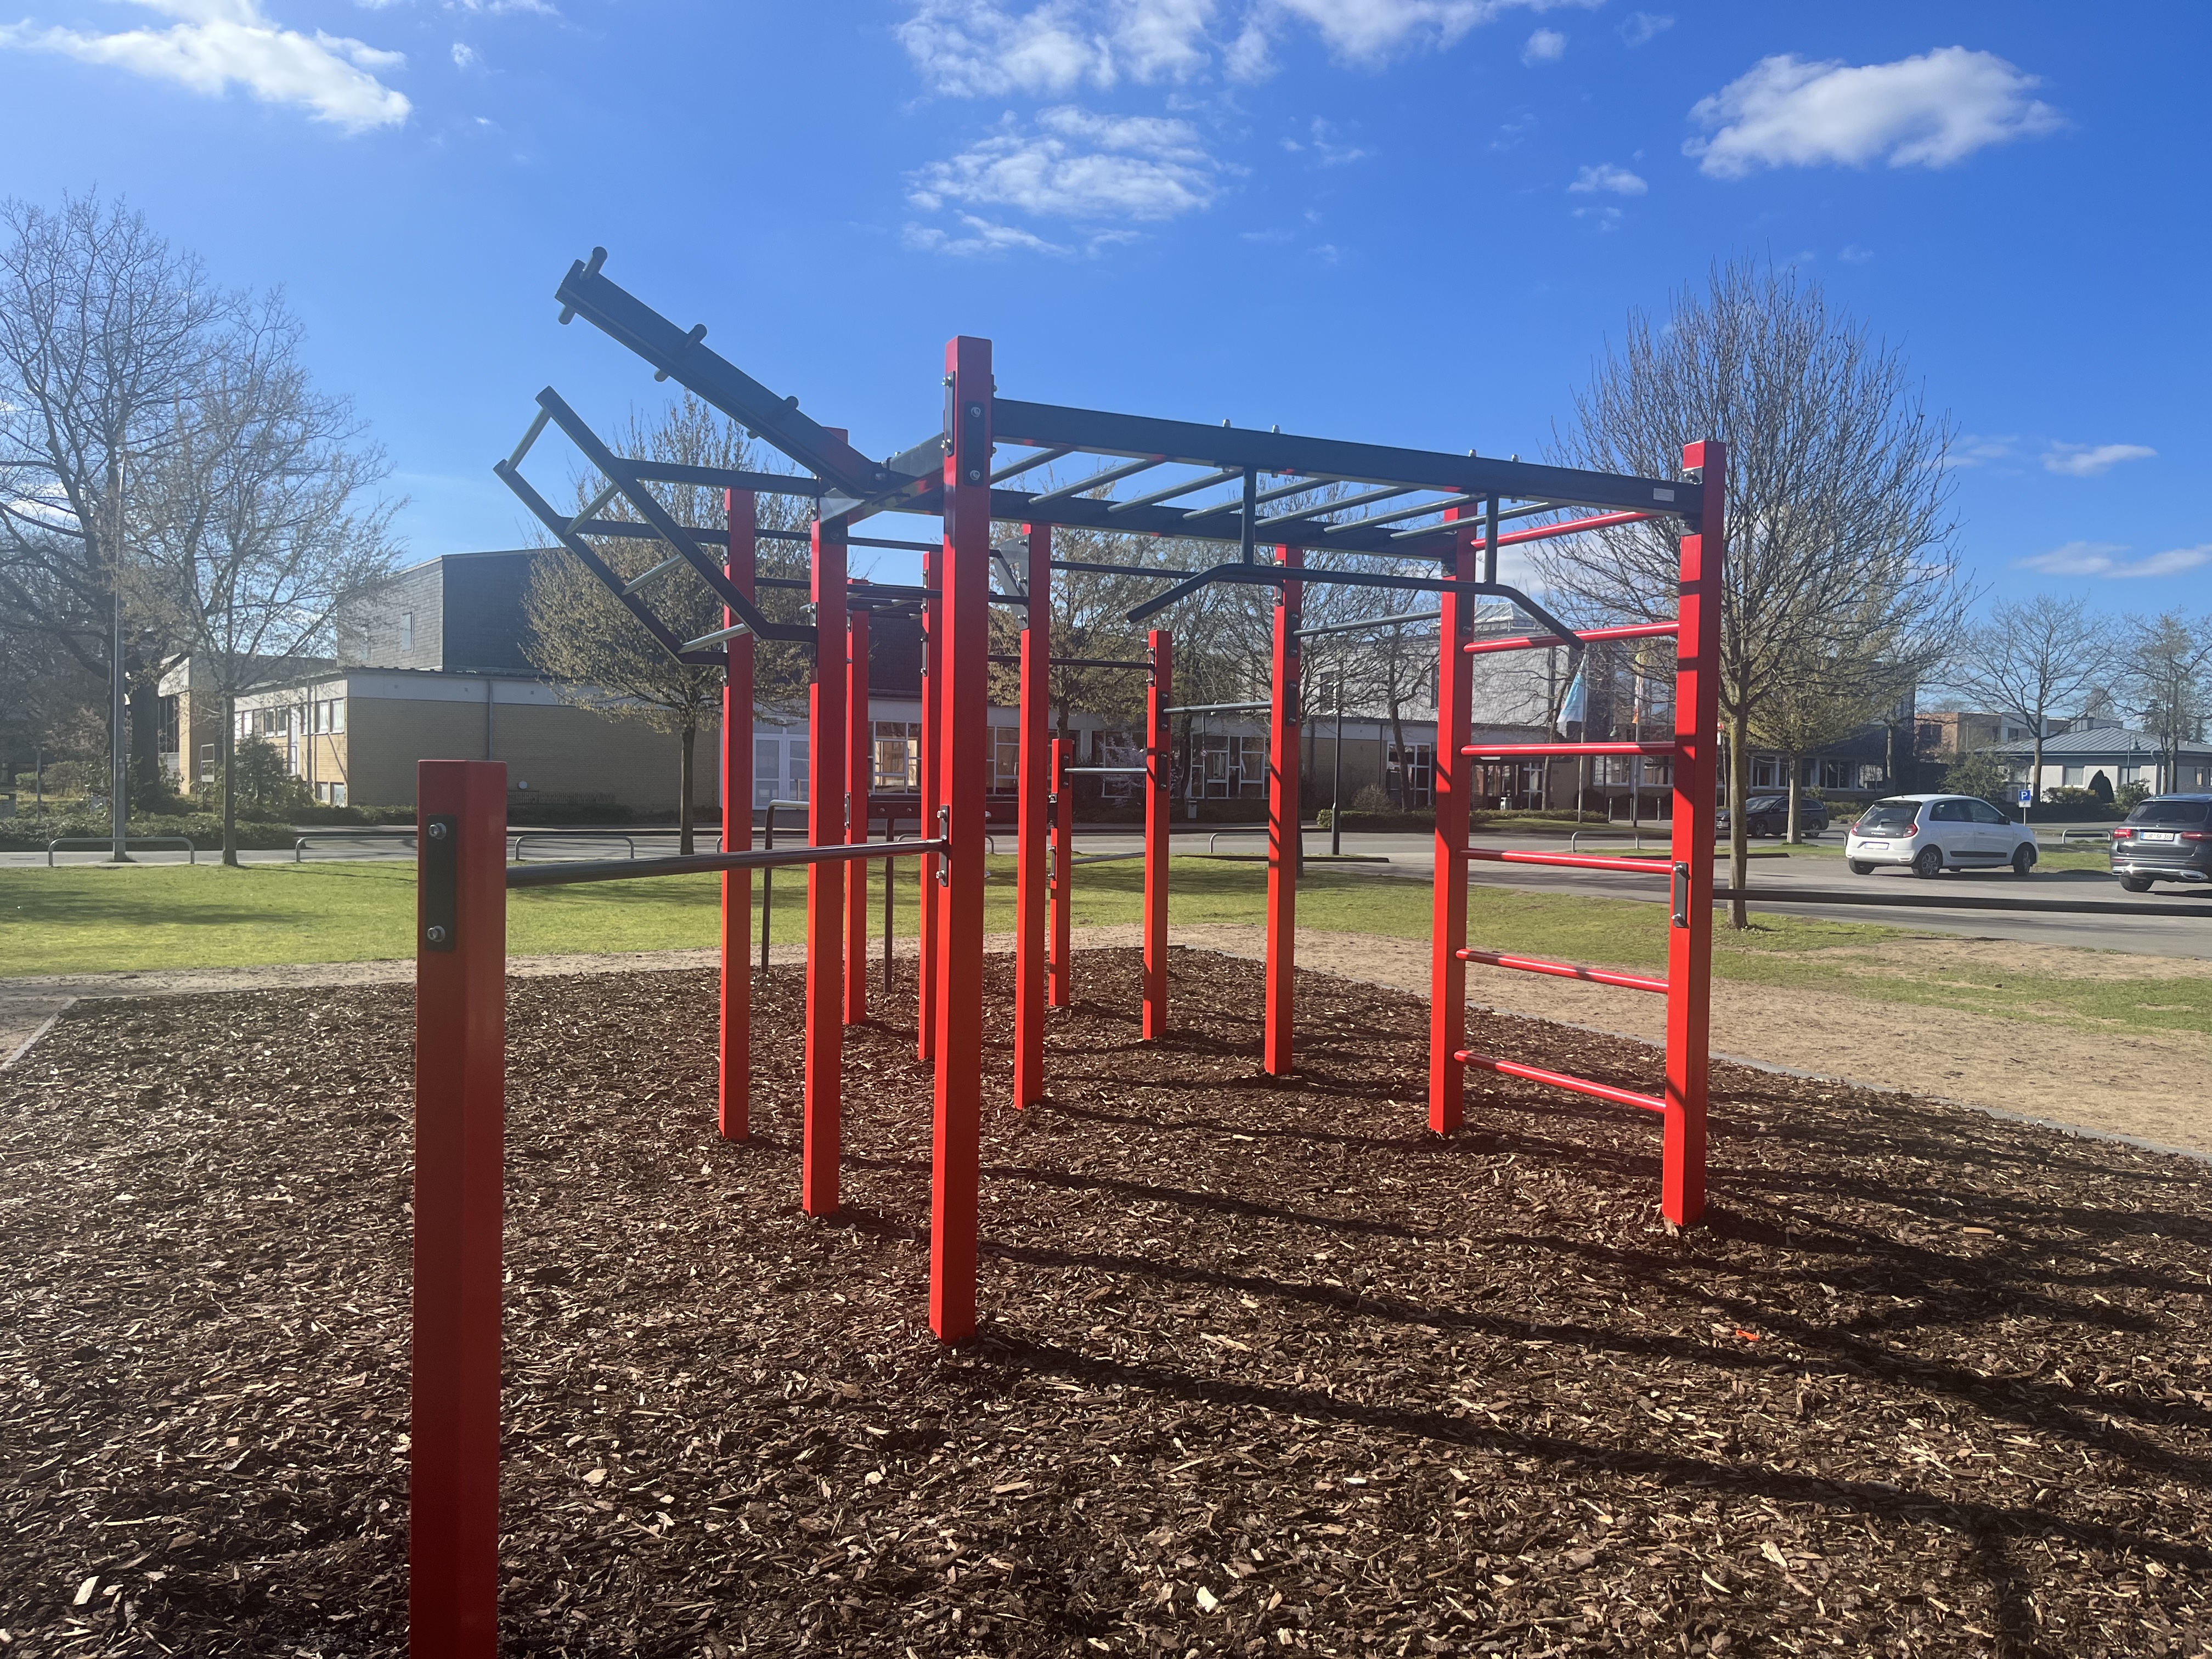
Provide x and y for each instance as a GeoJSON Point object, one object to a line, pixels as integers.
{"type": "Point", "coordinates": [951, 474]}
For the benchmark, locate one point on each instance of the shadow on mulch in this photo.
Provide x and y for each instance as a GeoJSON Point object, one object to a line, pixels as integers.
{"type": "Point", "coordinates": [1268, 1368]}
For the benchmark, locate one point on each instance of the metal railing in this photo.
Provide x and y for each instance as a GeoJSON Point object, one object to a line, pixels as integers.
{"type": "Point", "coordinates": [185, 841]}
{"type": "Point", "coordinates": [515, 842]}
{"type": "Point", "coordinates": [1927, 901]}
{"type": "Point", "coordinates": [365, 833]}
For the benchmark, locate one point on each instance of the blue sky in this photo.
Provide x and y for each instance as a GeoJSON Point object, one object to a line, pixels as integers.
{"type": "Point", "coordinates": [1408, 221]}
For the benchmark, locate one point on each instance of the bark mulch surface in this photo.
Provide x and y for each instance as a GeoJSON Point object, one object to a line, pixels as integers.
{"type": "Point", "coordinates": [1268, 1369]}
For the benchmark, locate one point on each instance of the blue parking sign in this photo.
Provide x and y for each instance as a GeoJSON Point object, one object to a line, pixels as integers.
{"type": "Point", "coordinates": [2026, 798]}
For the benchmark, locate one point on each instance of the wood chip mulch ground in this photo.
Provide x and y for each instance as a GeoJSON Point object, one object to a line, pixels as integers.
{"type": "Point", "coordinates": [1269, 1369]}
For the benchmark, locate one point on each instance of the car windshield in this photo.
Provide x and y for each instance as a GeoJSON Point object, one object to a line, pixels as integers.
{"type": "Point", "coordinates": [1766, 803]}
{"type": "Point", "coordinates": [1887, 816]}
{"type": "Point", "coordinates": [2172, 814]}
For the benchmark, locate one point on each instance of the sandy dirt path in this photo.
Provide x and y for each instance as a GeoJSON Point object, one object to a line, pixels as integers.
{"type": "Point", "coordinates": [2143, 1083]}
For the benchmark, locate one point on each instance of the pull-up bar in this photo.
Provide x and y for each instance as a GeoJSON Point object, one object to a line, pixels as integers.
{"type": "Point", "coordinates": [1366, 623]}
{"type": "Point", "coordinates": [564, 875]}
{"type": "Point", "coordinates": [1217, 708]}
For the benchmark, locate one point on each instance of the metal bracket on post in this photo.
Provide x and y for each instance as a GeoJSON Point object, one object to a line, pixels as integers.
{"type": "Point", "coordinates": [440, 874]}
{"type": "Point", "coordinates": [945, 837]}
{"type": "Point", "coordinates": [1681, 896]}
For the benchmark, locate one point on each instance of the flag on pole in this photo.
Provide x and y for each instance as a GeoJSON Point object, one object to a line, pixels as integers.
{"type": "Point", "coordinates": [1574, 706]}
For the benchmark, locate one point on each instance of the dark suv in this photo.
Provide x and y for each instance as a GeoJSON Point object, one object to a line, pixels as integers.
{"type": "Point", "coordinates": [2167, 838]}
{"type": "Point", "coordinates": [1769, 815]}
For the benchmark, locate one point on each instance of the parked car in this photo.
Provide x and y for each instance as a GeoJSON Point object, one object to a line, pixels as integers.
{"type": "Point", "coordinates": [1929, 833]}
{"type": "Point", "coordinates": [1769, 815]}
{"type": "Point", "coordinates": [2166, 838]}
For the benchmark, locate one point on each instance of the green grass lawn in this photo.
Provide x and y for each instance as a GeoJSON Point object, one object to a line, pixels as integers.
{"type": "Point", "coordinates": [92, 919]}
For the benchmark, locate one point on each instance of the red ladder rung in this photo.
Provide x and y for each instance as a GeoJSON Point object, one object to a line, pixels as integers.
{"type": "Point", "coordinates": [1570, 861]}
{"type": "Point", "coordinates": [1566, 970]}
{"type": "Point", "coordinates": [1510, 750]}
{"type": "Point", "coordinates": [1541, 642]}
{"type": "Point", "coordinates": [1581, 1085]}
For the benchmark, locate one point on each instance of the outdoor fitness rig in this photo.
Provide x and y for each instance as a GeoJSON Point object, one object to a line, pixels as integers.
{"type": "Point", "coordinates": [1448, 511]}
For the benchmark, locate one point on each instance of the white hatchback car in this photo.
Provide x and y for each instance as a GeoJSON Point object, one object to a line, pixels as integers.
{"type": "Point", "coordinates": [1929, 833]}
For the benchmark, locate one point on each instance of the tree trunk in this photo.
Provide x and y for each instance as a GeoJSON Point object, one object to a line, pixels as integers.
{"type": "Point", "coordinates": [147, 782]}
{"type": "Point", "coordinates": [1793, 769]}
{"type": "Point", "coordinates": [684, 808]}
{"type": "Point", "coordinates": [2035, 773]}
{"type": "Point", "coordinates": [227, 757]}
{"type": "Point", "coordinates": [1405, 761]}
{"type": "Point", "coordinates": [1739, 787]}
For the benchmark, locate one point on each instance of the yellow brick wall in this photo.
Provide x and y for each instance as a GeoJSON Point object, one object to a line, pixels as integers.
{"type": "Point", "coordinates": [557, 751]}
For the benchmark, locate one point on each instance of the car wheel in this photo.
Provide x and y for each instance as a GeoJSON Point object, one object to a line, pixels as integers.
{"type": "Point", "coordinates": [2134, 883]}
{"type": "Point", "coordinates": [1928, 863]}
{"type": "Point", "coordinates": [2023, 860]}
{"type": "Point", "coordinates": [1860, 867]}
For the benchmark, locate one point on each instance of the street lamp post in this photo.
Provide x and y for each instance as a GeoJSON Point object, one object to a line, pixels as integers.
{"type": "Point", "coordinates": [119, 742]}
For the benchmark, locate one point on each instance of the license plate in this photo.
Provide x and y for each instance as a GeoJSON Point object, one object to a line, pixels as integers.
{"type": "Point", "coordinates": [1882, 844]}
{"type": "Point", "coordinates": [2160, 835]}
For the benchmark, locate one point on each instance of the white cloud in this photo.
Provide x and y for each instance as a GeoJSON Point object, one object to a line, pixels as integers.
{"type": "Point", "coordinates": [1079, 165]}
{"type": "Point", "coordinates": [1544, 46]}
{"type": "Point", "coordinates": [2101, 559]}
{"type": "Point", "coordinates": [987, 48]}
{"type": "Point", "coordinates": [217, 43]}
{"type": "Point", "coordinates": [1326, 145]}
{"type": "Point", "coordinates": [465, 57]}
{"type": "Point", "coordinates": [1618, 181]}
{"type": "Point", "coordinates": [2092, 460]}
{"type": "Point", "coordinates": [983, 237]}
{"type": "Point", "coordinates": [1640, 28]}
{"type": "Point", "coordinates": [1605, 218]}
{"type": "Point", "coordinates": [494, 8]}
{"type": "Point", "coordinates": [1975, 449]}
{"type": "Point", "coordinates": [1929, 110]}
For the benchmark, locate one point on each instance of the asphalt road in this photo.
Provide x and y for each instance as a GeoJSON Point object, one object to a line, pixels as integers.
{"type": "Point", "coordinates": [1410, 860]}
{"type": "Point", "coordinates": [1409, 857]}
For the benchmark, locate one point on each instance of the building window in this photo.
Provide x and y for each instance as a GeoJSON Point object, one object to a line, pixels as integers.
{"type": "Point", "coordinates": [2074, 776]}
{"type": "Point", "coordinates": [1005, 759]}
{"type": "Point", "coordinates": [1766, 772]}
{"type": "Point", "coordinates": [1871, 776]}
{"type": "Point", "coordinates": [1412, 774]}
{"type": "Point", "coordinates": [168, 744]}
{"type": "Point", "coordinates": [1835, 775]}
{"type": "Point", "coordinates": [898, 755]}
{"type": "Point", "coordinates": [1225, 765]}
{"type": "Point", "coordinates": [330, 714]}
{"type": "Point", "coordinates": [407, 630]}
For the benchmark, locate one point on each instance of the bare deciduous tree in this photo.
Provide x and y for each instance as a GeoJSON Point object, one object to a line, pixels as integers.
{"type": "Point", "coordinates": [2167, 673]}
{"type": "Point", "coordinates": [102, 326]}
{"type": "Point", "coordinates": [261, 517]}
{"type": "Point", "coordinates": [2035, 659]}
{"type": "Point", "coordinates": [1838, 498]}
{"type": "Point", "coordinates": [592, 648]}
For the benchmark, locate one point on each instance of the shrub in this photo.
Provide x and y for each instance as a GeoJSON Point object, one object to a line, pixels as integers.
{"type": "Point", "coordinates": [266, 792]}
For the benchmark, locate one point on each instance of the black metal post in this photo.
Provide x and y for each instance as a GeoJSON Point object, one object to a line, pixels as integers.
{"type": "Point", "coordinates": [767, 888]}
{"type": "Point", "coordinates": [1336, 773]}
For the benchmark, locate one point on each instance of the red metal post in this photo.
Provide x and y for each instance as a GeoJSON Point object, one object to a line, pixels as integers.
{"type": "Point", "coordinates": [1159, 782]}
{"type": "Point", "coordinates": [1453, 775]}
{"type": "Point", "coordinates": [929, 753]}
{"type": "Point", "coordinates": [825, 883]}
{"type": "Point", "coordinates": [964, 585]}
{"type": "Point", "coordinates": [1032, 848]}
{"type": "Point", "coordinates": [860, 767]}
{"type": "Point", "coordinates": [1283, 819]}
{"type": "Point", "coordinates": [1690, 939]}
{"type": "Point", "coordinates": [1060, 981]}
{"type": "Point", "coordinates": [737, 998]}
{"type": "Point", "coordinates": [461, 1065]}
